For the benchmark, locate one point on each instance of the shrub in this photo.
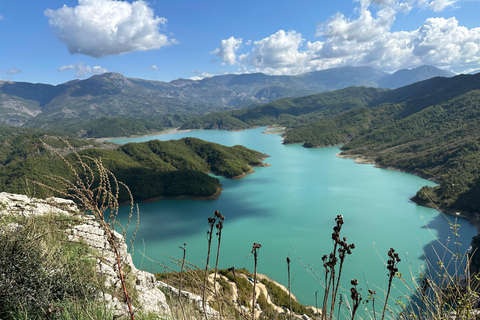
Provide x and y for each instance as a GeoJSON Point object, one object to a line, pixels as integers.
{"type": "Point", "coordinates": [36, 277]}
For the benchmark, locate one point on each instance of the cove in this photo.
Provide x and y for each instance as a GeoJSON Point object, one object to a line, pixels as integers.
{"type": "Point", "coordinates": [289, 208]}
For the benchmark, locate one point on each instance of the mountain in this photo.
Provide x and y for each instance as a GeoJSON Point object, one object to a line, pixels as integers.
{"type": "Point", "coordinates": [113, 95]}
{"type": "Point", "coordinates": [289, 112]}
{"type": "Point", "coordinates": [408, 76]}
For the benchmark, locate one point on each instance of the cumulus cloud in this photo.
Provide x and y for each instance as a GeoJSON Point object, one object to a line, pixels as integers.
{"type": "Point", "coordinates": [367, 40]}
{"type": "Point", "coordinates": [227, 50]}
{"type": "Point", "coordinates": [13, 71]}
{"type": "Point", "coordinates": [152, 68]}
{"type": "Point", "coordinates": [82, 71]}
{"type": "Point", "coordinates": [278, 52]}
{"type": "Point", "coordinates": [99, 28]}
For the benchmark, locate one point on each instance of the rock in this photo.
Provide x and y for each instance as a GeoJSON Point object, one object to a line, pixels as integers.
{"type": "Point", "coordinates": [197, 300]}
{"type": "Point", "coordinates": [22, 204]}
{"type": "Point", "coordinates": [90, 232]}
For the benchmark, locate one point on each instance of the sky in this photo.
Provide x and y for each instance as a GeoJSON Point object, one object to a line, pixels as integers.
{"type": "Point", "coordinates": [55, 41]}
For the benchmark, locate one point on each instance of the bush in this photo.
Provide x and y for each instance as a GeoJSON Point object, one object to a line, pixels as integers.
{"type": "Point", "coordinates": [37, 279]}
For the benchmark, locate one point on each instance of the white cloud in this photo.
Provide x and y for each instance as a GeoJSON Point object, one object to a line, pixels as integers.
{"type": "Point", "coordinates": [364, 29]}
{"type": "Point", "coordinates": [437, 5]}
{"type": "Point", "coordinates": [443, 41]}
{"type": "Point", "coordinates": [200, 75]}
{"type": "Point", "coordinates": [152, 68]}
{"type": "Point", "coordinates": [99, 28]}
{"type": "Point", "coordinates": [1, 16]}
{"type": "Point", "coordinates": [82, 71]}
{"type": "Point", "coordinates": [227, 50]}
{"type": "Point", "coordinates": [367, 40]}
{"type": "Point", "coordinates": [279, 52]}
{"type": "Point", "coordinates": [13, 71]}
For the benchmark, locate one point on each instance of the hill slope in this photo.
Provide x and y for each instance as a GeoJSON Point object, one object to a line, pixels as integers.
{"type": "Point", "coordinates": [289, 111]}
{"type": "Point", "coordinates": [113, 95]}
{"type": "Point", "coordinates": [152, 169]}
{"type": "Point", "coordinates": [431, 128]}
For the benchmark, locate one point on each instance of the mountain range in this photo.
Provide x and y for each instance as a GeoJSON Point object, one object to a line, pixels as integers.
{"type": "Point", "coordinates": [113, 95]}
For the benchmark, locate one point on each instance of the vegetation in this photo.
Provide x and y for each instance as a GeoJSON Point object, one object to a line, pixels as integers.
{"type": "Point", "coordinates": [439, 141]}
{"type": "Point", "coordinates": [41, 273]}
{"type": "Point", "coordinates": [153, 169]}
{"type": "Point", "coordinates": [107, 126]}
{"type": "Point", "coordinates": [290, 112]}
{"type": "Point", "coordinates": [62, 282]}
{"type": "Point", "coordinates": [430, 128]}
{"type": "Point", "coordinates": [110, 127]}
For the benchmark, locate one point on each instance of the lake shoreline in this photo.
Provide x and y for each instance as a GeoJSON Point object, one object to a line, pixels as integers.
{"type": "Point", "coordinates": [361, 160]}
{"type": "Point", "coordinates": [214, 196]}
{"type": "Point", "coordinates": [269, 130]}
{"type": "Point", "coordinates": [254, 216]}
{"type": "Point", "coordinates": [159, 133]}
{"type": "Point", "coordinates": [472, 217]}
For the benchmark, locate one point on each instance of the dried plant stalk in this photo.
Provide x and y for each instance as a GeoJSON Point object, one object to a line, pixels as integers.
{"type": "Point", "coordinates": [96, 190]}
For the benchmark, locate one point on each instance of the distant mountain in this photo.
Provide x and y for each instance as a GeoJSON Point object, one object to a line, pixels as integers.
{"type": "Point", "coordinates": [405, 77]}
{"type": "Point", "coordinates": [113, 95]}
{"type": "Point", "coordinates": [290, 112]}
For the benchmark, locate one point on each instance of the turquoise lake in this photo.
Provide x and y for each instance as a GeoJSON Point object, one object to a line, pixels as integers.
{"type": "Point", "coordinates": [289, 208]}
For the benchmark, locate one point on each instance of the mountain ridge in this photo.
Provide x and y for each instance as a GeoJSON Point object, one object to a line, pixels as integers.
{"type": "Point", "coordinates": [112, 94]}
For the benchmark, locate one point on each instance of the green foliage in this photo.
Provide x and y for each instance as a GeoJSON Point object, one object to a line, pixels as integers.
{"type": "Point", "coordinates": [430, 128]}
{"type": "Point", "coordinates": [41, 271]}
{"type": "Point", "coordinates": [289, 112]}
{"type": "Point", "coordinates": [439, 141]}
{"type": "Point", "coordinates": [152, 169]}
{"type": "Point", "coordinates": [111, 127]}
{"type": "Point", "coordinates": [280, 298]}
{"type": "Point", "coordinates": [331, 132]}
{"type": "Point", "coordinates": [267, 309]}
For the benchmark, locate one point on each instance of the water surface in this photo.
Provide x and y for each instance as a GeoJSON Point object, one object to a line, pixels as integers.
{"type": "Point", "coordinates": [290, 207]}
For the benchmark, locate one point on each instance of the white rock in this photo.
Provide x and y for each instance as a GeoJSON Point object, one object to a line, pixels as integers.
{"type": "Point", "coordinates": [91, 233]}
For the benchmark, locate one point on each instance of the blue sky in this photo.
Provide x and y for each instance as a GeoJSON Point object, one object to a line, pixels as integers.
{"type": "Point", "coordinates": [54, 41]}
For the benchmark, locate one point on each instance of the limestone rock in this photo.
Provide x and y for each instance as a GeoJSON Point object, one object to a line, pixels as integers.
{"type": "Point", "coordinates": [91, 233]}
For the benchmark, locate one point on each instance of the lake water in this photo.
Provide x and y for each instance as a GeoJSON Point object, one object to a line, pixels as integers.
{"type": "Point", "coordinates": [290, 207]}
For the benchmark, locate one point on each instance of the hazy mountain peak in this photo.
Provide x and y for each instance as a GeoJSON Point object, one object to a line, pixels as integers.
{"type": "Point", "coordinates": [405, 77]}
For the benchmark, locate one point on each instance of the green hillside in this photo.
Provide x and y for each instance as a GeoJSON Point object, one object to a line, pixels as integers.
{"type": "Point", "coordinates": [151, 169]}
{"type": "Point", "coordinates": [434, 131]}
{"type": "Point", "coordinates": [289, 111]}
{"type": "Point", "coordinates": [431, 128]}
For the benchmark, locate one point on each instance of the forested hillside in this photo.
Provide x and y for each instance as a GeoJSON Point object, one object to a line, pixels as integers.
{"type": "Point", "coordinates": [151, 169]}
{"type": "Point", "coordinates": [431, 128]}
{"type": "Point", "coordinates": [290, 112]}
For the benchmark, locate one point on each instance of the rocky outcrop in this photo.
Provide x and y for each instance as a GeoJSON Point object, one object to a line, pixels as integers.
{"type": "Point", "coordinates": [148, 297]}
{"type": "Point", "coordinates": [192, 298]}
